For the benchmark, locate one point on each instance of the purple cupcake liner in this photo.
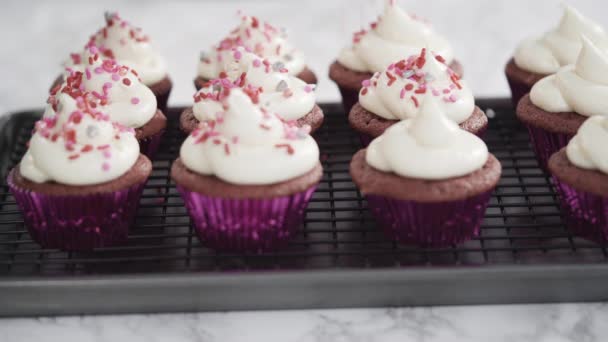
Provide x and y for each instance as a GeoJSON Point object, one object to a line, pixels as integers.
{"type": "Point", "coordinates": [518, 90]}
{"type": "Point", "coordinates": [349, 98]}
{"type": "Point", "coordinates": [429, 224]}
{"type": "Point", "coordinates": [545, 144]}
{"type": "Point", "coordinates": [148, 146]}
{"type": "Point", "coordinates": [585, 214]}
{"type": "Point", "coordinates": [78, 223]}
{"type": "Point", "coordinates": [245, 225]}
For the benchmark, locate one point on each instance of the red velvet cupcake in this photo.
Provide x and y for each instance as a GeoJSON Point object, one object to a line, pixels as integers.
{"type": "Point", "coordinates": [271, 87]}
{"type": "Point", "coordinates": [78, 185]}
{"type": "Point", "coordinates": [395, 35]}
{"type": "Point", "coordinates": [580, 172]}
{"type": "Point", "coordinates": [558, 105]}
{"type": "Point", "coordinates": [426, 181]}
{"type": "Point", "coordinates": [128, 45]}
{"type": "Point", "coordinates": [117, 91]}
{"type": "Point", "coordinates": [395, 94]}
{"type": "Point", "coordinates": [537, 58]}
{"type": "Point", "coordinates": [261, 38]}
{"type": "Point", "coordinates": [246, 177]}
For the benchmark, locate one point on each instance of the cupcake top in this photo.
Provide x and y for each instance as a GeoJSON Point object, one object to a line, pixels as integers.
{"type": "Point", "coordinates": [396, 93]}
{"type": "Point", "coordinates": [248, 145]}
{"type": "Point", "coordinates": [116, 90]}
{"type": "Point", "coordinates": [559, 47]}
{"type": "Point", "coordinates": [270, 85]}
{"type": "Point", "coordinates": [587, 150]}
{"type": "Point", "coordinates": [395, 34]}
{"type": "Point", "coordinates": [127, 44]}
{"type": "Point", "coordinates": [429, 147]}
{"type": "Point", "coordinates": [580, 88]}
{"type": "Point", "coordinates": [259, 37]}
{"type": "Point", "coordinates": [75, 144]}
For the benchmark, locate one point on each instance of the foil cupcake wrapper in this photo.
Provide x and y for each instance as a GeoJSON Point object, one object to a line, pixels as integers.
{"type": "Point", "coordinates": [545, 144]}
{"type": "Point", "coordinates": [518, 90]}
{"type": "Point", "coordinates": [78, 223]}
{"type": "Point", "coordinates": [349, 98]}
{"type": "Point", "coordinates": [245, 225]}
{"type": "Point", "coordinates": [432, 225]}
{"type": "Point", "coordinates": [148, 146]}
{"type": "Point", "coordinates": [585, 214]}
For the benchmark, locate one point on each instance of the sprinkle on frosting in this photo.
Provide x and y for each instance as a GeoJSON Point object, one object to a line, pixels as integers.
{"type": "Point", "coordinates": [396, 93]}
{"type": "Point", "coordinates": [264, 82]}
{"type": "Point", "coordinates": [244, 136]}
{"type": "Point", "coordinates": [76, 144]}
{"type": "Point", "coordinates": [128, 45]}
{"type": "Point", "coordinates": [260, 38]}
{"type": "Point", "coordinates": [395, 34]}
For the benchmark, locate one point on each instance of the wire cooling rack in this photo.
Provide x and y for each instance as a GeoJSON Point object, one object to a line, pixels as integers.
{"type": "Point", "coordinates": [522, 236]}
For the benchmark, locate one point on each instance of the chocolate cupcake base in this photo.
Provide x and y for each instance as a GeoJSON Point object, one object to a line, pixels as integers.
{"type": "Point", "coordinates": [349, 82]}
{"type": "Point", "coordinates": [583, 196]}
{"type": "Point", "coordinates": [188, 122]}
{"type": "Point", "coordinates": [150, 135]}
{"type": "Point", "coordinates": [370, 126]}
{"type": "Point", "coordinates": [549, 132]}
{"type": "Point", "coordinates": [80, 218]}
{"type": "Point", "coordinates": [162, 90]}
{"type": "Point", "coordinates": [520, 81]}
{"type": "Point", "coordinates": [252, 218]}
{"type": "Point", "coordinates": [427, 213]}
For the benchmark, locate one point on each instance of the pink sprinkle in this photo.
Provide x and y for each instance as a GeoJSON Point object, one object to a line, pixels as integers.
{"type": "Point", "coordinates": [237, 55]}
{"type": "Point", "coordinates": [257, 63]}
{"type": "Point", "coordinates": [446, 91]}
{"type": "Point", "coordinates": [98, 70]}
{"type": "Point", "coordinates": [107, 154]}
{"type": "Point", "coordinates": [87, 72]}
{"type": "Point", "coordinates": [93, 49]}
{"type": "Point", "coordinates": [235, 140]}
{"type": "Point", "coordinates": [436, 92]}
{"type": "Point", "coordinates": [115, 77]}
{"type": "Point", "coordinates": [366, 83]}
{"type": "Point", "coordinates": [105, 166]}
{"type": "Point", "coordinates": [134, 100]}
{"type": "Point", "coordinates": [402, 94]}
{"type": "Point", "coordinates": [308, 88]}
{"type": "Point", "coordinates": [453, 98]}
{"type": "Point", "coordinates": [107, 85]}
{"type": "Point", "coordinates": [452, 86]}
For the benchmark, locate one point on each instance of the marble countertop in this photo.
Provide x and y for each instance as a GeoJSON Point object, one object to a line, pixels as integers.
{"type": "Point", "coordinates": [37, 35]}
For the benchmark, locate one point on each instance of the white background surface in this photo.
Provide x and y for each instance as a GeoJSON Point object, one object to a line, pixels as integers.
{"type": "Point", "coordinates": [37, 35]}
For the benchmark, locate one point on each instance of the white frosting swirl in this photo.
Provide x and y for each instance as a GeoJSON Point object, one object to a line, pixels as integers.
{"type": "Point", "coordinates": [587, 149]}
{"type": "Point", "coordinates": [559, 47]}
{"type": "Point", "coordinates": [248, 145]}
{"type": "Point", "coordinates": [396, 93]}
{"type": "Point", "coordinates": [429, 147]}
{"type": "Point", "coordinates": [277, 91]}
{"type": "Point", "coordinates": [394, 35]}
{"type": "Point", "coordinates": [116, 89]}
{"type": "Point", "coordinates": [76, 145]}
{"type": "Point", "coordinates": [127, 44]}
{"type": "Point", "coordinates": [580, 88]}
{"type": "Point", "coordinates": [259, 37]}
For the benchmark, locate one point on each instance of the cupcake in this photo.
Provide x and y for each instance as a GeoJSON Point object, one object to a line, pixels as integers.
{"type": "Point", "coordinates": [272, 88]}
{"type": "Point", "coordinates": [580, 174]}
{"type": "Point", "coordinates": [537, 58]}
{"type": "Point", "coordinates": [261, 38]}
{"type": "Point", "coordinates": [79, 183]}
{"type": "Point", "coordinates": [127, 44]}
{"type": "Point", "coordinates": [246, 177]}
{"type": "Point", "coordinates": [394, 35]}
{"type": "Point", "coordinates": [558, 105]}
{"type": "Point", "coordinates": [116, 91]}
{"type": "Point", "coordinates": [395, 94]}
{"type": "Point", "coordinates": [427, 182]}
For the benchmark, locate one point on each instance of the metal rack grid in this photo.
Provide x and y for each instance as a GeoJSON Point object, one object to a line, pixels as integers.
{"type": "Point", "coordinates": [522, 224]}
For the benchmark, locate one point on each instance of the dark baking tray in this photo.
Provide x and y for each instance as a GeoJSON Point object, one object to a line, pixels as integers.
{"type": "Point", "coordinates": [339, 258]}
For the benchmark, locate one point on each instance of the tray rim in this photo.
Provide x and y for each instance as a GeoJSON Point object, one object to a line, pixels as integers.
{"type": "Point", "coordinates": [487, 284]}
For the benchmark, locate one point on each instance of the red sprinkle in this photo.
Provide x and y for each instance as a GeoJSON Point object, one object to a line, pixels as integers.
{"type": "Point", "coordinates": [289, 148]}
{"type": "Point", "coordinates": [86, 148]}
{"type": "Point", "coordinates": [126, 81]}
{"type": "Point", "coordinates": [415, 100]}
